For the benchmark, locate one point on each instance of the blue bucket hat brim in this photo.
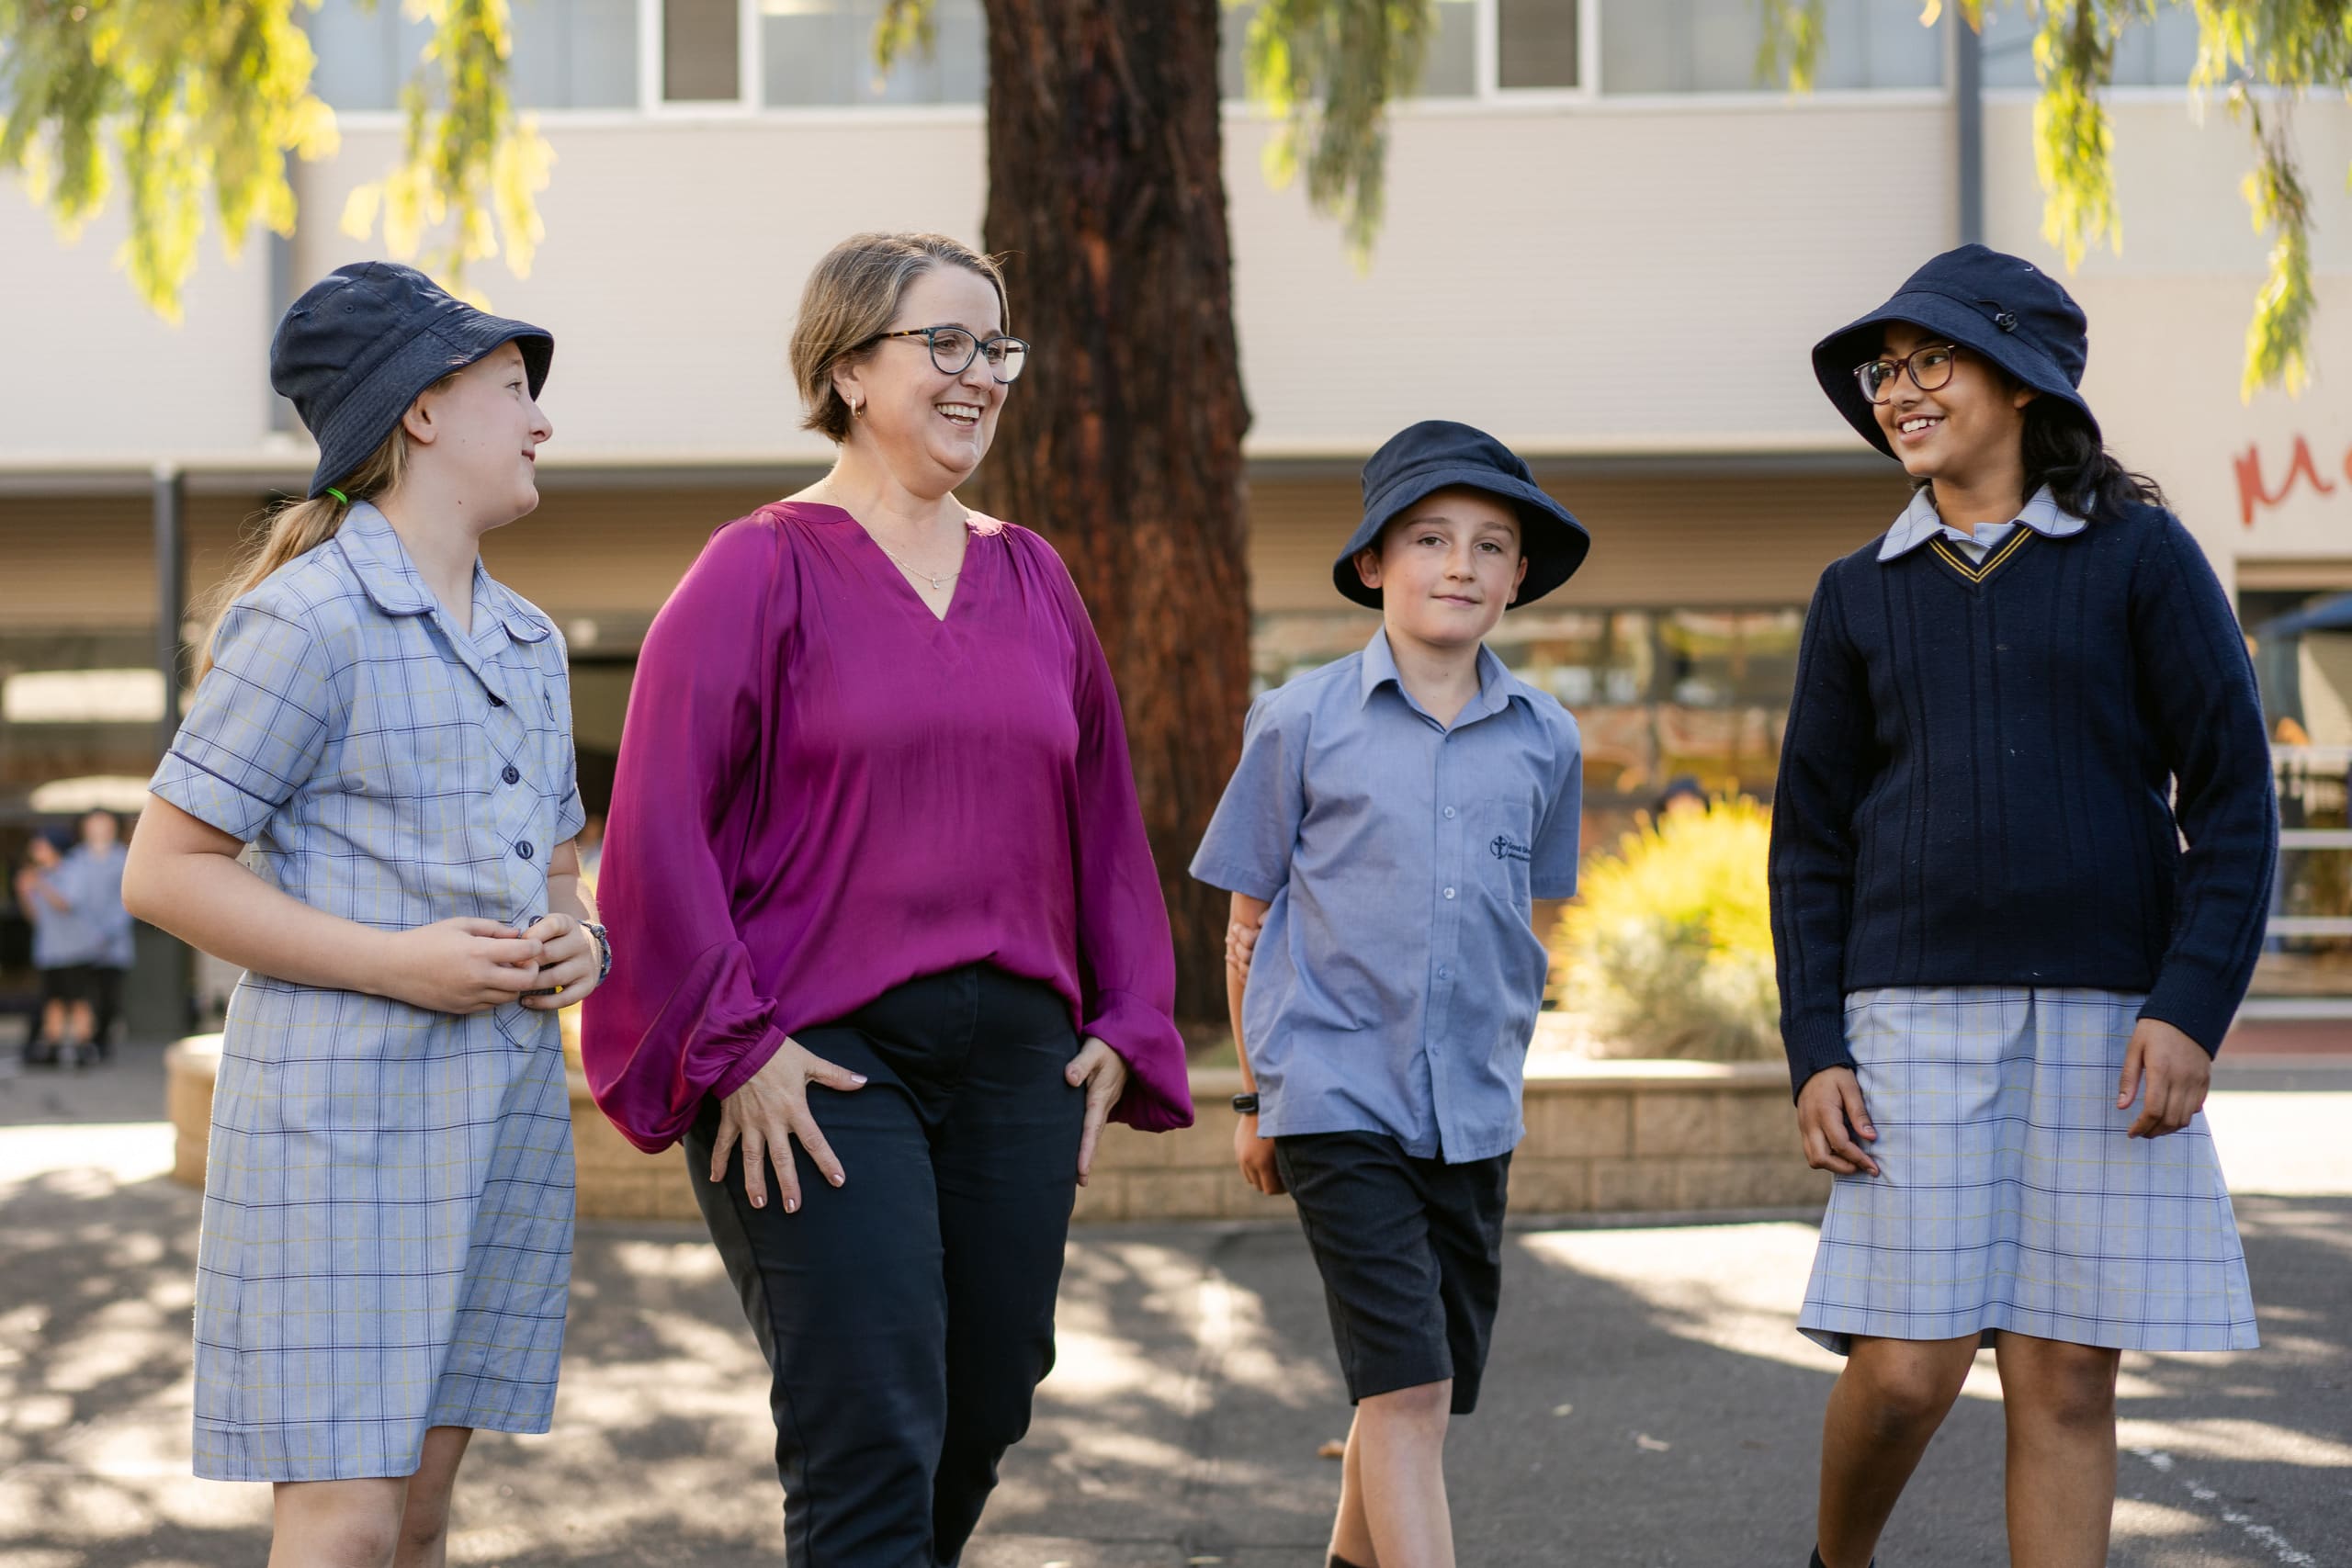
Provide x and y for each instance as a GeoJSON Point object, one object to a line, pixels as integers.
{"type": "Point", "coordinates": [1836, 357]}
{"type": "Point", "coordinates": [1551, 539]}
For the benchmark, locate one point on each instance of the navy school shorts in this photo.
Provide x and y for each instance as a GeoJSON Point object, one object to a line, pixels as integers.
{"type": "Point", "coordinates": [1411, 1253]}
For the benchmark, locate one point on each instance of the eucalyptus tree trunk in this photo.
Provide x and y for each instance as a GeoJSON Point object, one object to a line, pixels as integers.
{"type": "Point", "coordinates": [1106, 197]}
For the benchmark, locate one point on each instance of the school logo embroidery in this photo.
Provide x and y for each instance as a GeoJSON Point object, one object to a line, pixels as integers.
{"type": "Point", "coordinates": [1505, 847]}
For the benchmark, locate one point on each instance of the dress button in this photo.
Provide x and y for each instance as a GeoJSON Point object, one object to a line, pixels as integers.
{"type": "Point", "coordinates": [1449, 892]}
{"type": "Point", "coordinates": [512, 775]}
{"type": "Point", "coordinates": [524, 848]}
{"type": "Point", "coordinates": [1449, 814]}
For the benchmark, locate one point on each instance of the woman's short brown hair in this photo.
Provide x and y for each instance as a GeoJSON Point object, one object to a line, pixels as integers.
{"type": "Point", "coordinates": [854, 294]}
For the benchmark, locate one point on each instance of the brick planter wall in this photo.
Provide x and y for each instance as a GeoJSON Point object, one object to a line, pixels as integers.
{"type": "Point", "coordinates": [1603, 1137]}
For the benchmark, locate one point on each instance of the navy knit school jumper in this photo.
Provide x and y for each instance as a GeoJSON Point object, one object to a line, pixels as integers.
{"type": "Point", "coordinates": [1977, 782]}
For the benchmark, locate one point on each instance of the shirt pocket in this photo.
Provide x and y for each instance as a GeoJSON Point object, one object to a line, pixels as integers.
{"type": "Point", "coordinates": [413, 734]}
{"type": "Point", "coordinates": [1505, 849]}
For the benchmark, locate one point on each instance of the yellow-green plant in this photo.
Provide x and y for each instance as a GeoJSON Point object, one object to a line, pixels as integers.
{"type": "Point", "coordinates": [1669, 952]}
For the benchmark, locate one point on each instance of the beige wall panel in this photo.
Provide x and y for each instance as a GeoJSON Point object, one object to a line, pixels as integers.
{"type": "Point", "coordinates": [673, 261]}
{"type": "Point", "coordinates": [1583, 280]}
{"type": "Point", "coordinates": [88, 563]}
{"type": "Point", "coordinates": [2177, 178]}
{"type": "Point", "coordinates": [91, 372]}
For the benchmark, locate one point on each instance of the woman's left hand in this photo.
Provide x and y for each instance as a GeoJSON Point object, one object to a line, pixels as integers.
{"type": "Point", "coordinates": [2177, 1072]}
{"type": "Point", "coordinates": [1103, 1073]}
{"type": "Point", "coordinates": [569, 964]}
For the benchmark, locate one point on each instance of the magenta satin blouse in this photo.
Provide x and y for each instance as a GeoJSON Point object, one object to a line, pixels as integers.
{"type": "Point", "coordinates": [825, 790]}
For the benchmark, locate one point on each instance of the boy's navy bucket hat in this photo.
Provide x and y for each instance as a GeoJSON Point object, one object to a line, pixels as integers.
{"type": "Point", "coordinates": [359, 345]}
{"type": "Point", "coordinates": [1436, 454]}
{"type": "Point", "coordinates": [2003, 307]}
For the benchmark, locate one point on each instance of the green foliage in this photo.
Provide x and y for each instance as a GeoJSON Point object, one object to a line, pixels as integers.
{"type": "Point", "coordinates": [470, 165]}
{"type": "Point", "coordinates": [1332, 68]}
{"type": "Point", "coordinates": [2074, 56]}
{"type": "Point", "coordinates": [905, 27]}
{"type": "Point", "coordinates": [2277, 50]}
{"type": "Point", "coordinates": [197, 96]}
{"type": "Point", "coordinates": [1668, 952]}
{"type": "Point", "coordinates": [211, 97]}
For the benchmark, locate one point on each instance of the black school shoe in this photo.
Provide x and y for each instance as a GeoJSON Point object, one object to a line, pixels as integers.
{"type": "Point", "coordinates": [1817, 1562]}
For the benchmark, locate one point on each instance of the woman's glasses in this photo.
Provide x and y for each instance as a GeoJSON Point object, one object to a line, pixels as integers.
{"type": "Point", "coordinates": [1930, 368]}
{"type": "Point", "coordinates": [953, 349]}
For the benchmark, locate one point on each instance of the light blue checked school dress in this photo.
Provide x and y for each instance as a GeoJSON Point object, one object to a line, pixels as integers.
{"type": "Point", "coordinates": [2010, 1197]}
{"type": "Point", "coordinates": [387, 1203]}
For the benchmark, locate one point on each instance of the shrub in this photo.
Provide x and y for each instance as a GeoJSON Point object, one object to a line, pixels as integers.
{"type": "Point", "coordinates": [1669, 950]}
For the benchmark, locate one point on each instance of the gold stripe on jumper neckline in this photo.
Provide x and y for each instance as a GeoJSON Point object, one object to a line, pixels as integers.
{"type": "Point", "coordinates": [1974, 572]}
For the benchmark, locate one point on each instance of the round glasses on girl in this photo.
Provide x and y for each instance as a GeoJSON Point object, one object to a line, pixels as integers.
{"type": "Point", "coordinates": [1931, 367]}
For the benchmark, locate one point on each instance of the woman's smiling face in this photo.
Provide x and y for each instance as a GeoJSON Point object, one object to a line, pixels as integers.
{"type": "Point", "coordinates": [920, 418]}
{"type": "Point", "coordinates": [1975, 419]}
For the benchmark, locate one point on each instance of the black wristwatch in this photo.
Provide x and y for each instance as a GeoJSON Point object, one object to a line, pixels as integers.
{"type": "Point", "coordinates": [1247, 1104]}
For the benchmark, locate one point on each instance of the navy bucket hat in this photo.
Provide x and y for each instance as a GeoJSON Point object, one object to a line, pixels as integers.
{"type": "Point", "coordinates": [1438, 454]}
{"type": "Point", "coordinates": [353, 353]}
{"type": "Point", "coordinates": [2002, 307]}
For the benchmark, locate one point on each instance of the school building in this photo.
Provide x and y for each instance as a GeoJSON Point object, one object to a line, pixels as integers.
{"type": "Point", "coordinates": [1604, 242]}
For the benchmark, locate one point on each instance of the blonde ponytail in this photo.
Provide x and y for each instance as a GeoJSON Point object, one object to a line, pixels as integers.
{"type": "Point", "coordinates": [296, 529]}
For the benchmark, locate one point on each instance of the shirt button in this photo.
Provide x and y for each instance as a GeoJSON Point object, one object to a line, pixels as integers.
{"type": "Point", "coordinates": [524, 848]}
{"type": "Point", "coordinates": [512, 775]}
{"type": "Point", "coordinates": [1444, 973]}
{"type": "Point", "coordinates": [1449, 892]}
{"type": "Point", "coordinates": [1449, 814]}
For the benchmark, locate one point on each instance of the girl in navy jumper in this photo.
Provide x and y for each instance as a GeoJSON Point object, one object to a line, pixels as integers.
{"type": "Point", "coordinates": [2003, 977]}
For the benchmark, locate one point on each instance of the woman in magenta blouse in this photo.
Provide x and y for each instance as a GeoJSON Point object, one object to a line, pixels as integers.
{"type": "Point", "coordinates": [893, 928]}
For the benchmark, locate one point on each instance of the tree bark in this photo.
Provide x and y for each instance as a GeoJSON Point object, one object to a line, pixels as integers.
{"type": "Point", "coordinates": [1123, 443]}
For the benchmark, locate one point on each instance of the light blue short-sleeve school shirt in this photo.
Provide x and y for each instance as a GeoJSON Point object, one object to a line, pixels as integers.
{"type": "Point", "coordinates": [1397, 976]}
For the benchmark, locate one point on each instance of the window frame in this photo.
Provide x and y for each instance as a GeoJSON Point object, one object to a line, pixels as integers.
{"type": "Point", "coordinates": [1487, 94]}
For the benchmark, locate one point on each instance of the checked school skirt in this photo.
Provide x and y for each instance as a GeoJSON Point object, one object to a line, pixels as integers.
{"type": "Point", "coordinates": [387, 1239]}
{"type": "Point", "coordinates": [2010, 1197]}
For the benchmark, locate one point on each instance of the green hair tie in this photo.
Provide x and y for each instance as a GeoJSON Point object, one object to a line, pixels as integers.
{"type": "Point", "coordinates": [338, 495]}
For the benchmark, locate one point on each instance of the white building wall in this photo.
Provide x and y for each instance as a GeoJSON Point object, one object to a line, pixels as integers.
{"type": "Point", "coordinates": [1604, 278]}
{"type": "Point", "coordinates": [88, 372]}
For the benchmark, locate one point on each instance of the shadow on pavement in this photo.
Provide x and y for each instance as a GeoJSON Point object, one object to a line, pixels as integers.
{"type": "Point", "coordinates": [1647, 1403]}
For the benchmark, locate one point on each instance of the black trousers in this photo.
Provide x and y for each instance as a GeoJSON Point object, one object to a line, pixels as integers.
{"type": "Point", "coordinates": [908, 1316]}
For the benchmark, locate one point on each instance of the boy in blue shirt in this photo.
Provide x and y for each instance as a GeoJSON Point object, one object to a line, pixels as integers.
{"type": "Point", "coordinates": [1393, 818]}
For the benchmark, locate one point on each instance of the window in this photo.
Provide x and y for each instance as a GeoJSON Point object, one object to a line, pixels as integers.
{"type": "Point", "coordinates": [821, 51]}
{"type": "Point", "coordinates": [1712, 46]}
{"type": "Point", "coordinates": [2150, 53]}
{"type": "Point", "coordinates": [568, 53]}
{"type": "Point", "coordinates": [364, 54]}
{"type": "Point", "coordinates": [701, 50]}
{"type": "Point", "coordinates": [1537, 44]}
{"type": "Point", "coordinates": [573, 54]}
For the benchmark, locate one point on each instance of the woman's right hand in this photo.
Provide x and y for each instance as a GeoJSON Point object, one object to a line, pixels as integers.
{"type": "Point", "coordinates": [1830, 1117]}
{"type": "Point", "coordinates": [461, 965]}
{"type": "Point", "coordinates": [771, 1110]}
